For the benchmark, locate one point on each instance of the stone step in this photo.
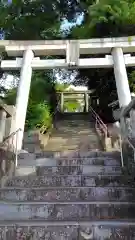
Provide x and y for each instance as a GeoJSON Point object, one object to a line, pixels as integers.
{"type": "Point", "coordinates": [68, 170]}
{"type": "Point", "coordinates": [77, 211]}
{"type": "Point", "coordinates": [88, 161]}
{"type": "Point", "coordinates": [75, 132]}
{"type": "Point", "coordinates": [74, 232]}
{"type": "Point", "coordinates": [71, 133]}
{"type": "Point", "coordinates": [72, 147]}
{"type": "Point", "coordinates": [69, 162]}
{"type": "Point", "coordinates": [76, 122]}
{"type": "Point", "coordinates": [72, 137]}
{"type": "Point", "coordinates": [82, 125]}
{"type": "Point", "coordinates": [69, 144]}
{"type": "Point", "coordinates": [73, 127]}
{"type": "Point", "coordinates": [71, 181]}
{"type": "Point", "coordinates": [62, 148]}
{"type": "Point", "coordinates": [77, 170]}
{"type": "Point", "coordinates": [63, 142]}
{"type": "Point", "coordinates": [57, 146]}
{"type": "Point", "coordinates": [68, 194]}
{"type": "Point", "coordinates": [78, 154]}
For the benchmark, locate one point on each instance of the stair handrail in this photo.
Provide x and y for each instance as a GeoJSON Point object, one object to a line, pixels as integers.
{"type": "Point", "coordinates": [98, 121]}
{"type": "Point", "coordinates": [10, 143]}
{"type": "Point", "coordinates": [10, 135]}
{"type": "Point", "coordinates": [55, 113]}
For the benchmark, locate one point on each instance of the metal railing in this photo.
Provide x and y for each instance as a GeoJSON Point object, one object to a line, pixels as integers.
{"type": "Point", "coordinates": [99, 124]}
{"type": "Point", "coordinates": [57, 110]}
{"type": "Point", "coordinates": [9, 152]}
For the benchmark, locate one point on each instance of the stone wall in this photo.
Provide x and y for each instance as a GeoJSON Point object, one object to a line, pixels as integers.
{"type": "Point", "coordinates": [34, 141]}
{"type": "Point", "coordinates": [7, 164]}
{"type": "Point", "coordinates": [114, 134]}
{"type": "Point", "coordinates": [112, 141]}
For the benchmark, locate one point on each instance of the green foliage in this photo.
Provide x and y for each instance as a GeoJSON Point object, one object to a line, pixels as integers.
{"type": "Point", "coordinates": [35, 20]}
{"type": "Point", "coordinates": [28, 19]}
{"type": "Point", "coordinates": [60, 87]}
{"type": "Point", "coordinates": [107, 18]}
{"type": "Point", "coordinates": [132, 81]}
{"type": "Point", "coordinates": [38, 116]}
{"type": "Point", "coordinates": [39, 112]}
{"type": "Point", "coordinates": [41, 86]}
{"type": "Point", "coordinates": [10, 96]}
{"type": "Point", "coordinates": [71, 106]}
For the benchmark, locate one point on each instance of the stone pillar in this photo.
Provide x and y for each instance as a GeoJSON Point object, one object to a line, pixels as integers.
{"type": "Point", "coordinates": [23, 95]}
{"type": "Point", "coordinates": [3, 116]}
{"type": "Point", "coordinates": [121, 78]}
{"type": "Point", "coordinates": [122, 84]}
{"type": "Point", "coordinates": [62, 102]}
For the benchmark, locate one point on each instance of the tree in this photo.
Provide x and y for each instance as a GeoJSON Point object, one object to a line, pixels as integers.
{"type": "Point", "coordinates": [38, 116]}
{"type": "Point", "coordinates": [132, 81]}
{"type": "Point", "coordinates": [40, 105]}
{"type": "Point", "coordinates": [102, 18]}
{"type": "Point", "coordinates": [35, 20]}
{"type": "Point", "coordinates": [105, 18]}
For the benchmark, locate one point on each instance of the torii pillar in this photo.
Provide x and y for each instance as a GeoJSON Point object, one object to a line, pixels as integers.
{"type": "Point", "coordinates": [121, 78]}
{"type": "Point", "coordinates": [23, 95]}
{"type": "Point", "coordinates": [122, 84]}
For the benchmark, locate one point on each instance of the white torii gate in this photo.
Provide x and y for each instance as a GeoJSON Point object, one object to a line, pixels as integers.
{"type": "Point", "coordinates": [115, 56]}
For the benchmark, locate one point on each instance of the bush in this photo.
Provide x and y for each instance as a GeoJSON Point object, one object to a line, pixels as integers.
{"type": "Point", "coordinates": [38, 116]}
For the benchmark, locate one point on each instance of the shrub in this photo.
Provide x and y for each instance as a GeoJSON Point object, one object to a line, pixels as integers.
{"type": "Point", "coordinates": [38, 116]}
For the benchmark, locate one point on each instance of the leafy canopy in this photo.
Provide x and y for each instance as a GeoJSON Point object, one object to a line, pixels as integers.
{"type": "Point", "coordinates": [35, 20]}
{"type": "Point", "coordinates": [107, 18]}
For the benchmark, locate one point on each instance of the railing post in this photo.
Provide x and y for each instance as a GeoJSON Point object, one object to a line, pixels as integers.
{"type": "Point", "coordinates": [86, 97]}
{"type": "Point", "coordinates": [62, 102]}
{"type": "Point", "coordinates": [16, 150]}
{"type": "Point", "coordinates": [3, 116]}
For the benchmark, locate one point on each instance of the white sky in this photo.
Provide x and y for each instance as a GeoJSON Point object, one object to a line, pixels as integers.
{"type": "Point", "coordinates": [68, 25]}
{"type": "Point", "coordinates": [9, 82]}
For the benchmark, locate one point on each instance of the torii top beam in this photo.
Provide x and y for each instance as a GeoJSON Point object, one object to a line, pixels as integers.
{"type": "Point", "coordinates": [70, 51]}
{"type": "Point", "coordinates": [60, 47]}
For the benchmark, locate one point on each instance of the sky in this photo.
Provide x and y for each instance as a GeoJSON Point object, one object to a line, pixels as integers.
{"type": "Point", "coordinates": [68, 25]}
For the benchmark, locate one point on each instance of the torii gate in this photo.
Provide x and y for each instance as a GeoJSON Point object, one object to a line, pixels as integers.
{"type": "Point", "coordinates": [115, 56]}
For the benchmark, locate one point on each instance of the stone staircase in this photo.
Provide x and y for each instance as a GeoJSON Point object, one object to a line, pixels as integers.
{"type": "Point", "coordinates": [80, 193]}
{"type": "Point", "coordinates": [73, 132]}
